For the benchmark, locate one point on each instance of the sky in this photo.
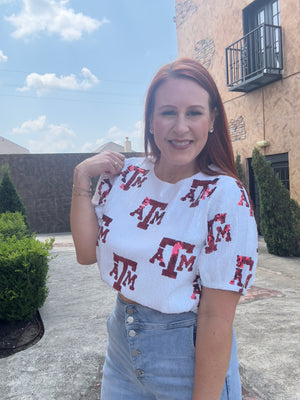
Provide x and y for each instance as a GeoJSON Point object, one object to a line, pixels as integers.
{"type": "Point", "coordinates": [74, 73]}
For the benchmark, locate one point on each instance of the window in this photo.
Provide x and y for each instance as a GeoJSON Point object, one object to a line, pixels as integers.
{"type": "Point", "coordinates": [262, 15]}
{"type": "Point", "coordinates": [261, 12]}
{"type": "Point", "coordinates": [282, 170]}
{"type": "Point", "coordinates": [280, 165]}
{"type": "Point", "coordinates": [255, 60]}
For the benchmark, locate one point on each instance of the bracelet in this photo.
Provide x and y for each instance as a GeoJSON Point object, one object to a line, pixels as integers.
{"type": "Point", "coordinates": [77, 191]}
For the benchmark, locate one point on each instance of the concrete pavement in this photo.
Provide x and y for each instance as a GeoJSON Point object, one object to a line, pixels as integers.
{"type": "Point", "coordinates": [66, 363]}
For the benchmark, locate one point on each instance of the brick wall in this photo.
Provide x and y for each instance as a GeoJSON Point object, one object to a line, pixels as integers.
{"type": "Point", "coordinates": [44, 182]}
{"type": "Point", "coordinates": [183, 10]}
{"type": "Point", "coordinates": [204, 51]}
{"type": "Point", "coordinates": [237, 128]}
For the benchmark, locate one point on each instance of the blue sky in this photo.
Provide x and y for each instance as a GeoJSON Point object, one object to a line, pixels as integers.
{"type": "Point", "coordinates": [74, 73]}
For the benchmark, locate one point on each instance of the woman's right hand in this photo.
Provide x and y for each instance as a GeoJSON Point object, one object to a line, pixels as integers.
{"type": "Point", "coordinates": [108, 162]}
{"type": "Point", "coordinates": [84, 224]}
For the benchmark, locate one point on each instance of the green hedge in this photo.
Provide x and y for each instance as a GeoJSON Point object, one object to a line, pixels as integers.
{"type": "Point", "coordinates": [279, 215]}
{"type": "Point", "coordinates": [9, 197]}
{"type": "Point", "coordinates": [23, 270]}
{"type": "Point", "coordinates": [13, 224]}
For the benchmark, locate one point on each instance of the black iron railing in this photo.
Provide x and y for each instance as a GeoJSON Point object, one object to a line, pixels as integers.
{"type": "Point", "coordinates": [255, 60]}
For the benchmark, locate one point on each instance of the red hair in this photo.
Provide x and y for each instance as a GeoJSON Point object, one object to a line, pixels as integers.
{"type": "Point", "coordinates": [218, 149]}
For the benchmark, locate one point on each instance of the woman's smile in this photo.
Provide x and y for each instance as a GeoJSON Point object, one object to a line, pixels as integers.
{"type": "Point", "coordinates": [180, 144]}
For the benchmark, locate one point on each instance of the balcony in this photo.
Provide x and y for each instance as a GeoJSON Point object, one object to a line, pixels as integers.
{"type": "Point", "coordinates": [255, 60]}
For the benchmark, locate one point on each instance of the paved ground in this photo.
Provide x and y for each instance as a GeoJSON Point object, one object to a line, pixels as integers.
{"type": "Point", "coordinates": [66, 363]}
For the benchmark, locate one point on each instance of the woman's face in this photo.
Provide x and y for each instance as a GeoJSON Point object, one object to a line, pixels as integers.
{"type": "Point", "coordinates": [180, 124]}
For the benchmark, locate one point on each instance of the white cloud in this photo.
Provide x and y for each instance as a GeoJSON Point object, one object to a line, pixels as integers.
{"type": "Point", "coordinates": [50, 138]}
{"type": "Point", "coordinates": [3, 58]}
{"type": "Point", "coordinates": [52, 17]}
{"type": "Point", "coordinates": [31, 126]}
{"type": "Point", "coordinates": [87, 148]}
{"type": "Point", "coordinates": [47, 82]}
{"type": "Point", "coordinates": [118, 135]}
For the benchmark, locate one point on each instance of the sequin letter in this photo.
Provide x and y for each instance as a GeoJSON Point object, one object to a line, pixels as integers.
{"type": "Point", "coordinates": [241, 262]}
{"type": "Point", "coordinates": [133, 176]}
{"type": "Point", "coordinates": [103, 190]}
{"type": "Point", "coordinates": [152, 210]}
{"type": "Point", "coordinates": [220, 233]}
{"type": "Point", "coordinates": [103, 232]}
{"type": "Point", "coordinates": [244, 200]}
{"type": "Point", "coordinates": [176, 248]}
{"type": "Point", "coordinates": [122, 272]}
{"type": "Point", "coordinates": [196, 288]}
{"type": "Point", "coordinates": [200, 190]}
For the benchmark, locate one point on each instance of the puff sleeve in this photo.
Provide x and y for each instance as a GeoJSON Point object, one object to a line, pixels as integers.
{"type": "Point", "coordinates": [229, 257]}
{"type": "Point", "coordinates": [99, 199]}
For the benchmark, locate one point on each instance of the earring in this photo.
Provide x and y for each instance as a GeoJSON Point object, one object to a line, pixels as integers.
{"type": "Point", "coordinates": [211, 131]}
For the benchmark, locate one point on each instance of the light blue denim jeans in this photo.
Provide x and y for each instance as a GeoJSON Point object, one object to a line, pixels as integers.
{"type": "Point", "coordinates": [151, 355]}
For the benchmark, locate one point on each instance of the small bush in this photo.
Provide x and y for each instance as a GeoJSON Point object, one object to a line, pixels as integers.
{"type": "Point", "coordinates": [13, 224]}
{"type": "Point", "coordinates": [9, 197]}
{"type": "Point", "coordinates": [295, 209]}
{"type": "Point", "coordinates": [277, 222]}
{"type": "Point", "coordinates": [239, 169]}
{"type": "Point", "coordinates": [23, 276]}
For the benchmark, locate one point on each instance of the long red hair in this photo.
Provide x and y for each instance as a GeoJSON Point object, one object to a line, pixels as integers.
{"type": "Point", "coordinates": [218, 149]}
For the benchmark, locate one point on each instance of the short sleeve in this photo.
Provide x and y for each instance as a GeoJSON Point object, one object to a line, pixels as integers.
{"type": "Point", "coordinates": [99, 199]}
{"type": "Point", "coordinates": [229, 257]}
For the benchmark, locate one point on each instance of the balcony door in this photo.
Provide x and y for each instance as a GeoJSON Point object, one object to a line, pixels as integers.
{"type": "Point", "coordinates": [261, 12]}
{"type": "Point", "coordinates": [263, 46]}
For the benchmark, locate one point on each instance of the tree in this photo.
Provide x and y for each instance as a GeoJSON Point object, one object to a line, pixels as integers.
{"type": "Point", "coordinates": [9, 198]}
{"type": "Point", "coordinates": [276, 214]}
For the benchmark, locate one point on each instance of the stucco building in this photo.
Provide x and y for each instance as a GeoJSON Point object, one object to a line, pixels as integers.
{"type": "Point", "coordinates": [251, 48]}
{"type": "Point", "coordinates": [8, 147]}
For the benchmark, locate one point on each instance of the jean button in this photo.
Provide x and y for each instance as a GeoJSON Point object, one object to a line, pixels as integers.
{"type": "Point", "coordinates": [134, 353]}
{"type": "Point", "coordinates": [130, 320]}
{"type": "Point", "coordinates": [139, 372]}
{"type": "Point", "coordinates": [130, 311]}
{"type": "Point", "coordinates": [132, 333]}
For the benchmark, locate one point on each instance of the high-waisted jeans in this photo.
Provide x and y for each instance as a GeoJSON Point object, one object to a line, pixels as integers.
{"type": "Point", "coordinates": [151, 356]}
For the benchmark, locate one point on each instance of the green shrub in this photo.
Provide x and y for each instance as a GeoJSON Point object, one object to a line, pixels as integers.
{"type": "Point", "coordinates": [276, 217]}
{"type": "Point", "coordinates": [13, 224]}
{"type": "Point", "coordinates": [23, 276]}
{"type": "Point", "coordinates": [295, 209]}
{"type": "Point", "coordinates": [9, 198]}
{"type": "Point", "coordinates": [239, 169]}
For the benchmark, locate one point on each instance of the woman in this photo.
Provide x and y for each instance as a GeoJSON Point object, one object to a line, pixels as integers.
{"type": "Point", "coordinates": [176, 237]}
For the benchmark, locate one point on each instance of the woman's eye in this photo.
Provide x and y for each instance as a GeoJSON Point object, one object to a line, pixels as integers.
{"type": "Point", "coordinates": [168, 113]}
{"type": "Point", "coordinates": [193, 113]}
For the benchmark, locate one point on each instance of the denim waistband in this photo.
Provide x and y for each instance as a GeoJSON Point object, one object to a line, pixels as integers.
{"type": "Point", "coordinates": [147, 318]}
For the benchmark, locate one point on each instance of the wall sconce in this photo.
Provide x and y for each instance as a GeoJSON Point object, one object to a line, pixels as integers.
{"type": "Point", "coordinates": [263, 143]}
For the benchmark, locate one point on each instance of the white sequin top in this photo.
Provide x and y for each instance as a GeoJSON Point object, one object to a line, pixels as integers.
{"type": "Point", "coordinates": [159, 243]}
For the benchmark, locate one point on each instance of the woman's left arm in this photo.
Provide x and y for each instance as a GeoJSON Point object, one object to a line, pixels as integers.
{"type": "Point", "coordinates": [213, 342]}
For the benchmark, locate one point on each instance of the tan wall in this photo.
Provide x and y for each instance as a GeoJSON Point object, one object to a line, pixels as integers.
{"type": "Point", "coordinates": [204, 30]}
{"type": "Point", "coordinates": [290, 22]}
{"type": "Point", "coordinates": [282, 125]}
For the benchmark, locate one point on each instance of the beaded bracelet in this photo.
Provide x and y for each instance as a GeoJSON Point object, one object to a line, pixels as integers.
{"type": "Point", "coordinates": [77, 191]}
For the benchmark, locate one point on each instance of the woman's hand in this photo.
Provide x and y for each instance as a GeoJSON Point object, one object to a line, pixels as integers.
{"type": "Point", "coordinates": [84, 224]}
{"type": "Point", "coordinates": [108, 162]}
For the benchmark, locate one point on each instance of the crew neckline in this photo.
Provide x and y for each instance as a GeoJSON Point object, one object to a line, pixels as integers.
{"type": "Point", "coordinates": [152, 165]}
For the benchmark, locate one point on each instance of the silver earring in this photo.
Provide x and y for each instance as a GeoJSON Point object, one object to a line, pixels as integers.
{"type": "Point", "coordinates": [211, 131]}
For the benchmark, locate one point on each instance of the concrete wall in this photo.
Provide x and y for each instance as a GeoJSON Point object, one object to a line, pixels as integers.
{"type": "Point", "coordinates": [44, 182]}
{"type": "Point", "coordinates": [204, 30]}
